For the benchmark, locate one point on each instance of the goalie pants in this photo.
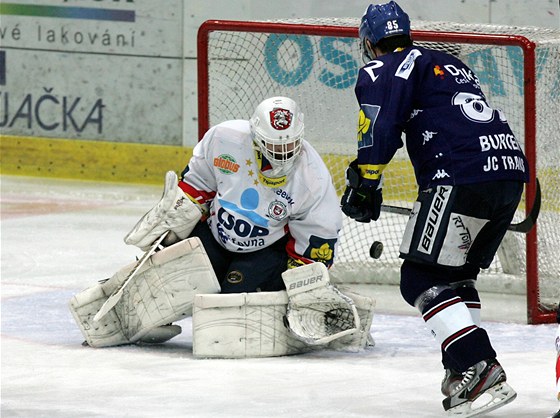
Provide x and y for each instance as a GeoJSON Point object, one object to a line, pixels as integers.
{"type": "Point", "coordinates": [245, 272]}
{"type": "Point", "coordinates": [451, 304]}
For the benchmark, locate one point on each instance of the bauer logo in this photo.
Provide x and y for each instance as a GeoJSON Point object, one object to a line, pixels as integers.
{"type": "Point", "coordinates": [306, 282]}
{"type": "Point", "coordinates": [433, 222]}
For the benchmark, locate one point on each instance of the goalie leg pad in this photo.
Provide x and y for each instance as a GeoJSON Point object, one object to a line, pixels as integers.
{"type": "Point", "coordinates": [85, 305]}
{"type": "Point", "coordinates": [167, 291]}
{"type": "Point", "coordinates": [248, 325]}
{"type": "Point", "coordinates": [242, 325]}
{"type": "Point", "coordinates": [175, 212]}
{"type": "Point", "coordinates": [162, 292]}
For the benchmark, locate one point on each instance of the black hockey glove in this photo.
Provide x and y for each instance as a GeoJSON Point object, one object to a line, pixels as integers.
{"type": "Point", "coordinates": [359, 202]}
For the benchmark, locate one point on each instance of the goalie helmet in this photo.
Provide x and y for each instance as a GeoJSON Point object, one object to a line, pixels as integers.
{"type": "Point", "coordinates": [381, 21]}
{"type": "Point", "coordinates": [277, 131]}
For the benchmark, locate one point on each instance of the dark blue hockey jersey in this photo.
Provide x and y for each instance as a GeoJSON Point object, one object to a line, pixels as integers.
{"type": "Point", "coordinates": [453, 136]}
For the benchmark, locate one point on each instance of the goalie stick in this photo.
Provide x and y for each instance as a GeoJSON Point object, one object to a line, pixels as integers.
{"type": "Point", "coordinates": [117, 294]}
{"type": "Point", "coordinates": [524, 226]}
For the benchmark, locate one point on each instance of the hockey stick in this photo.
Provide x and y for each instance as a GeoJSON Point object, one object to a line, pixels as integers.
{"type": "Point", "coordinates": [118, 292]}
{"type": "Point", "coordinates": [524, 226]}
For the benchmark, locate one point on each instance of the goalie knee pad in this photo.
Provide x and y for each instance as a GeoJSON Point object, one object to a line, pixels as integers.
{"type": "Point", "coordinates": [160, 293]}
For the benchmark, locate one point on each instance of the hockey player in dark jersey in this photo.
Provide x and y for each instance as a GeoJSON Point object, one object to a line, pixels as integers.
{"type": "Point", "coordinates": [470, 171]}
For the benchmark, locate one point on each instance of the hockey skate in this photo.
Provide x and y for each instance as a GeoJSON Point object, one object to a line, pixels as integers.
{"type": "Point", "coordinates": [483, 389]}
{"type": "Point", "coordinates": [450, 381]}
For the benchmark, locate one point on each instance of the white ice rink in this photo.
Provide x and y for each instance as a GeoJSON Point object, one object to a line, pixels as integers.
{"type": "Point", "coordinates": [59, 237]}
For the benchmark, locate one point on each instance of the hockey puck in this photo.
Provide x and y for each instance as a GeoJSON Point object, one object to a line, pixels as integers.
{"type": "Point", "coordinates": [376, 249]}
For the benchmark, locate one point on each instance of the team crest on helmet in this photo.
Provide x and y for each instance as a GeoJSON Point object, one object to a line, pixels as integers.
{"type": "Point", "coordinates": [280, 119]}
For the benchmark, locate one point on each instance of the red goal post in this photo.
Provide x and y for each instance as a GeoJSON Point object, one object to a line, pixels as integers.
{"type": "Point", "coordinates": [314, 61]}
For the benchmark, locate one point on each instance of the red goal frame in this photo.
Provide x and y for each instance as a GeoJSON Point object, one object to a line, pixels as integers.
{"type": "Point", "coordinates": [535, 314]}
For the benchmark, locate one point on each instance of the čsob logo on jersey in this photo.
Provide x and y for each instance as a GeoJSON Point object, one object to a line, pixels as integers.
{"type": "Point", "coordinates": [289, 60]}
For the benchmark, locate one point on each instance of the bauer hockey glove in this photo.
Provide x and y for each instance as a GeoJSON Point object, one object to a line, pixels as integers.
{"type": "Point", "coordinates": [317, 312]}
{"type": "Point", "coordinates": [360, 202]}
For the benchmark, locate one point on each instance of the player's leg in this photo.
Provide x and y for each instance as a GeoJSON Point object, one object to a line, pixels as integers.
{"type": "Point", "coordinates": [466, 290]}
{"type": "Point", "coordinates": [450, 226]}
{"type": "Point", "coordinates": [429, 289]}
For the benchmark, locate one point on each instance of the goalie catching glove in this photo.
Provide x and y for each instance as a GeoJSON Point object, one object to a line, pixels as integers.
{"type": "Point", "coordinates": [175, 212]}
{"type": "Point", "coordinates": [317, 312]}
{"type": "Point", "coordinates": [360, 202]}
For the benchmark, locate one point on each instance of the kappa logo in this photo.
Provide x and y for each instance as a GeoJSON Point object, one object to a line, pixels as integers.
{"type": "Point", "coordinates": [427, 135]}
{"type": "Point", "coordinates": [440, 174]}
{"type": "Point", "coordinates": [415, 113]}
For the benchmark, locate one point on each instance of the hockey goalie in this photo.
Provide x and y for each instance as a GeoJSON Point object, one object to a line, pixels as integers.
{"type": "Point", "coordinates": [252, 224]}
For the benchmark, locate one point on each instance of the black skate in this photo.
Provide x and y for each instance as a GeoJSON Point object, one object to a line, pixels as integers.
{"type": "Point", "coordinates": [482, 390]}
{"type": "Point", "coordinates": [450, 381]}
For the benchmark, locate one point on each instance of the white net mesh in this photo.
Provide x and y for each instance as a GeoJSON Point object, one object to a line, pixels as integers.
{"type": "Point", "coordinates": [319, 72]}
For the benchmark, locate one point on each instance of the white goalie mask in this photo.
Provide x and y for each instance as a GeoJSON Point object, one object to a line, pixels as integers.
{"type": "Point", "coordinates": [277, 131]}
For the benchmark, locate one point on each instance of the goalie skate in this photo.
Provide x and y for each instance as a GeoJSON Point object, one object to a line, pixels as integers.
{"type": "Point", "coordinates": [483, 389]}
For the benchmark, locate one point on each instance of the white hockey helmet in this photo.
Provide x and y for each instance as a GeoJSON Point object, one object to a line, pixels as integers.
{"type": "Point", "coordinates": [277, 130]}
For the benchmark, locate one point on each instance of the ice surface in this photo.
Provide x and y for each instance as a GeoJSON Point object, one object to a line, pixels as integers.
{"type": "Point", "coordinates": [59, 237]}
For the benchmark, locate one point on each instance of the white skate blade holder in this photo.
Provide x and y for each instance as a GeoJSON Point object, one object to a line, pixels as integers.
{"type": "Point", "coordinates": [494, 398]}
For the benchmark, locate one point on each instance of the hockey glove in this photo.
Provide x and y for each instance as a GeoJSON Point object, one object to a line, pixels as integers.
{"type": "Point", "coordinates": [175, 212]}
{"type": "Point", "coordinates": [360, 202]}
{"type": "Point", "coordinates": [317, 312]}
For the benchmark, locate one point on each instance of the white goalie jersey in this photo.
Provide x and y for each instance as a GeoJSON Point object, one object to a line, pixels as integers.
{"type": "Point", "coordinates": [252, 211]}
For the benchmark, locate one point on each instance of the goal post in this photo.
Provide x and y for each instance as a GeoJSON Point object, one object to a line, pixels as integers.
{"type": "Point", "coordinates": [316, 61]}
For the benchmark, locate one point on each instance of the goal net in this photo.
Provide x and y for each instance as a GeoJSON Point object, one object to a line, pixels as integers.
{"type": "Point", "coordinates": [316, 61]}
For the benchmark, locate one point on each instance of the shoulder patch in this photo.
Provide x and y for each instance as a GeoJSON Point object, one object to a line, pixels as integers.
{"type": "Point", "coordinates": [407, 65]}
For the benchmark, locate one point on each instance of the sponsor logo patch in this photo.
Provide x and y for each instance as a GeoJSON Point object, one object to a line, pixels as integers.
{"type": "Point", "coordinates": [226, 164]}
